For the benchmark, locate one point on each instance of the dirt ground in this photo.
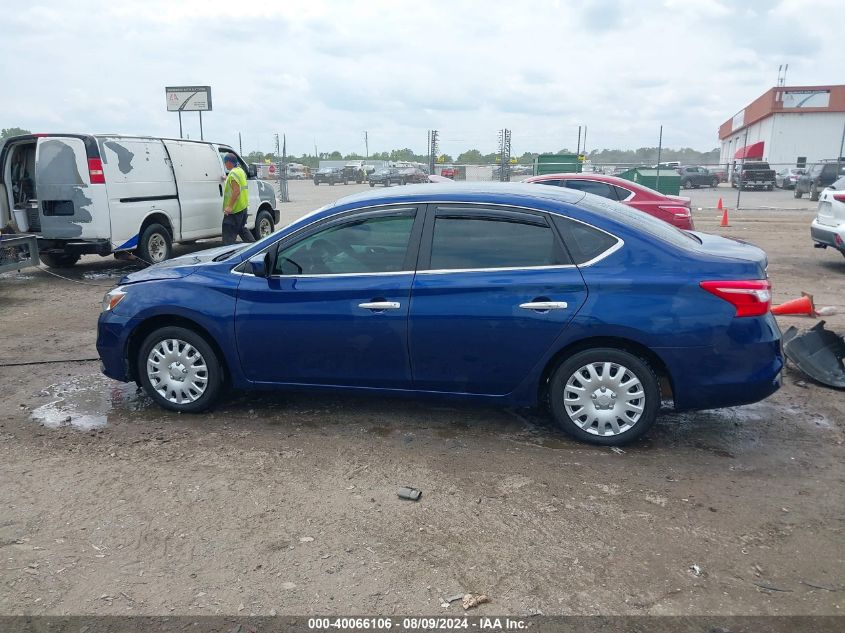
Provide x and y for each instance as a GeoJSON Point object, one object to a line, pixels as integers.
{"type": "Point", "coordinates": [287, 504]}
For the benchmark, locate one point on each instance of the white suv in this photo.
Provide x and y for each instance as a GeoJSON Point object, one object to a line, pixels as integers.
{"type": "Point", "coordinates": [828, 229]}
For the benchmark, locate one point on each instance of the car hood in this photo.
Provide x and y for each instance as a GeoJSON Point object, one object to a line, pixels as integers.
{"type": "Point", "coordinates": [178, 267]}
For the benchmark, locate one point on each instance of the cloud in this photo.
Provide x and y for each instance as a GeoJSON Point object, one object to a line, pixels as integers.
{"type": "Point", "coordinates": [328, 70]}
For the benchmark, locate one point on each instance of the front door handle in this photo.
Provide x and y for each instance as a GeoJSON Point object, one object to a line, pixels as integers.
{"type": "Point", "coordinates": [220, 189]}
{"type": "Point", "coordinates": [544, 306]}
{"type": "Point", "coordinates": [380, 306]}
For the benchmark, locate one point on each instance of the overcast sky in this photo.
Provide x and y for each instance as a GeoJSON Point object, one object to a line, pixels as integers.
{"type": "Point", "coordinates": [325, 71]}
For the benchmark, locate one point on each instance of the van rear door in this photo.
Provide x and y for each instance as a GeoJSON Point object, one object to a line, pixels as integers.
{"type": "Point", "coordinates": [71, 206]}
{"type": "Point", "coordinates": [199, 180]}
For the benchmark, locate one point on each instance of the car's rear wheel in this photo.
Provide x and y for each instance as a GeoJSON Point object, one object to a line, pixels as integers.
{"type": "Point", "coordinates": [179, 370]}
{"type": "Point", "coordinates": [604, 396]}
{"type": "Point", "coordinates": [714, 182]}
{"type": "Point", "coordinates": [688, 184]}
{"type": "Point", "coordinates": [796, 193]}
{"type": "Point", "coordinates": [814, 193]}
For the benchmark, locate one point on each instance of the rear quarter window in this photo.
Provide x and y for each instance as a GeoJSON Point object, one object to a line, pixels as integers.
{"type": "Point", "coordinates": [639, 221]}
{"type": "Point", "coordinates": [585, 242]}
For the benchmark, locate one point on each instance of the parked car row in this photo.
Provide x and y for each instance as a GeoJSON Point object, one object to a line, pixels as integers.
{"type": "Point", "coordinates": [392, 175]}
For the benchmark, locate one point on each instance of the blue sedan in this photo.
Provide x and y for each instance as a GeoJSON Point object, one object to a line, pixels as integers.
{"type": "Point", "coordinates": [501, 293]}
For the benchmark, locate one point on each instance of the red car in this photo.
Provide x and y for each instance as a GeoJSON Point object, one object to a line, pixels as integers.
{"type": "Point", "coordinates": [673, 209]}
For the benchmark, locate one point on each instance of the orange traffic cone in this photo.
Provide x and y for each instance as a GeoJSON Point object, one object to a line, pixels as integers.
{"type": "Point", "coordinates": [802, 307]}
{"type": "Point", "coordinates": [724, 221]}
{"type": "Point", "coordinates": [719, 206]}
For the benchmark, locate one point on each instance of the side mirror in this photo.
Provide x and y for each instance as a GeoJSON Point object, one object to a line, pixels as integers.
{"type": "Point", "coordinates": [252, 171]}
{"type": "Point", "coordinates": [260, 265]}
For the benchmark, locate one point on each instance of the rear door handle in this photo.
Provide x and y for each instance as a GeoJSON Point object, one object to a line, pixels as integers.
{"type": "Point", "coordinates": [380, 306]}
{"type": "Point", "coordinates": [220, 189]}
{"type": "Point", "coordinates": [544, 306]}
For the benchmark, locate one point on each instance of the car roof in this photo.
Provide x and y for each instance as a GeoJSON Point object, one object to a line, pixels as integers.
{"type": "Point", "coordinates": [612, 180]}
{"type": "Point", "coordinates": [464, 192]}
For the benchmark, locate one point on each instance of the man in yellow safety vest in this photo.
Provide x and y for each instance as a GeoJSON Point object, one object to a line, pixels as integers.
{"type": "Point", "coordinates": [235, 203]}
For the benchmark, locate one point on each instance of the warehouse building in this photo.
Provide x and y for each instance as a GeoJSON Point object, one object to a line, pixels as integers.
{"type": "Point", "coordinates": [787, 126]}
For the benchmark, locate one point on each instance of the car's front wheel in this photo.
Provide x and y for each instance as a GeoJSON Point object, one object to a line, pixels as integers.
{"type": "Point", "coordinates": [796, 193]}
{"type": "Point", "coordinates": [604, 396]}
{"type": "Point", "coordinates": [179, 370]}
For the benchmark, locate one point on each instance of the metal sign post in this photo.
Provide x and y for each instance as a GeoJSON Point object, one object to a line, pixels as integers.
{"type": "Point", "coordinates": [659, 152]}
{"type": "Point", "coordinates": [741, 170]}
{"type": "Point", "coordinates": [188, 99]}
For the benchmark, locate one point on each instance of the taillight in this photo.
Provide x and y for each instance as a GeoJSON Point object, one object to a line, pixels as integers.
{"type": "Point", "coordinates": [95, 171]}
{"type": "Point", "coordinates": [678, 212]}
{"type": "Point", "coordinates": [750, 298]}
{"type": "Point", "coordinates": [839, 197]}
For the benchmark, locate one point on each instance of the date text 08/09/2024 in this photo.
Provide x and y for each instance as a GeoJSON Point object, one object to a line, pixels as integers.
{"type": "Point", "coordinates": [416, 623]}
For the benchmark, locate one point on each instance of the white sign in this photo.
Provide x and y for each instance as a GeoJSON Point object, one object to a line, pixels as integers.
{"type": "Point", "coordinates": [188, 98]}
{"type": "Point", "coordinates": [806, 98]}
{"type": "Point", "coordinates": [738, 120]}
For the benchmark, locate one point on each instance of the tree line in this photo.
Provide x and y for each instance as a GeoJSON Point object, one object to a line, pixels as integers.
{"type": "Point", "coordinates": [640, 156]}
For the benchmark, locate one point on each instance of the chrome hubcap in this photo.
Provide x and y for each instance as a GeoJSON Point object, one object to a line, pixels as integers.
{"type": "Point", "coordinates": [264, 227]}
{"type": "Point", "coordinates": [177, 371]}
{"type": "Point", "coordinates": [604, 398]}
{"type": "Point", "coordinates": [157, 248]}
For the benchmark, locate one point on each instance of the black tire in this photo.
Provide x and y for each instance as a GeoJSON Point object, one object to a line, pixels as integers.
{"type": "Point", "coordinates": [372, 184]}
{"type": "Point", "coordinates": [796, 193]}
{"type": "Point", "coordinates": [213, 372]}
{"type": "Point", "coordinates": [264, 224]}
{"type": "Point", "coordinates": [635, 366]}
{"type": "Point", "coordinates": [331, 183]}
{"type": "Point", "coordinates": [58, 260]}
{"type": "Point", "coordinates": [155, 245]}
{"type": "Point", "coordinates": [402, 181]}
{"type": "Point", "coordinates": [687, 184]}
{"type": "Point", "coordinates": [714, 182]}
{"type": "Point", "coordinates": [814, 192]}
{"type": "Point", "coordinates": [316, 184]}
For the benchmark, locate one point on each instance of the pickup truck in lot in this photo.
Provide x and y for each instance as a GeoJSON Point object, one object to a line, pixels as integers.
{"type": "Point", "coordinates": [753, 175]}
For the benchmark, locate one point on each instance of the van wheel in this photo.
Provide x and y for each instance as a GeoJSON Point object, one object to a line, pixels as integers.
{"type": "Point", "coordinates": [58, 260]}
{"type": "Point", "coordinates": [263, 225]}
{"type": "Point", "coordinates": [604, 396]}
{"type": "Point", "coordinates": [179, 370]}
{"type": "Point", "coordinates": [155, 244]}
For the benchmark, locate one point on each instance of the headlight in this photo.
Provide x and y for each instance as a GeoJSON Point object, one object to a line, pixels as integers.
{"type": "Point", "coordinates": [112, 298]}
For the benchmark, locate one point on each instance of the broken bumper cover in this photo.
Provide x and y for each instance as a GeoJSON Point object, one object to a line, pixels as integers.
{"type": "Point", "coordinates": [818, 353]}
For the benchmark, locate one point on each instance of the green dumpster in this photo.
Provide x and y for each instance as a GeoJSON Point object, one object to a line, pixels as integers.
{"type": "Point", "coordinates": [557, 164]}
{"type": "Point", "coordinates": [670, 180]}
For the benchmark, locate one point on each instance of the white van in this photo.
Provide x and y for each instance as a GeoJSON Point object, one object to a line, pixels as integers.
{"type": "Point", "coordinates": [82, 194]}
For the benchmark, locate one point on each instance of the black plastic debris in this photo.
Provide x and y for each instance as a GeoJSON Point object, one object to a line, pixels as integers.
{"type": "Point", "coordinates": [818, 353]}
{"type": "Point", "coordinates": [411, 494]}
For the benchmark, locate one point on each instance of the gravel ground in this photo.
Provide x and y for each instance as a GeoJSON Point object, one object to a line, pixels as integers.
{"type": "Point", "coordinates": [287, 503]}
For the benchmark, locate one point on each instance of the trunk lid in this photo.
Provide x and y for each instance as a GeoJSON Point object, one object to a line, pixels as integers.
{"type": "Point", "coordinates": [737, 251]}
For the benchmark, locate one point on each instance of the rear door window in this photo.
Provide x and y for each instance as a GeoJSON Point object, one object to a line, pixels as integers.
{"type": "Point", "coordinates": [594, 187]}
{"type": "Point", "coordinates": [474, 241]}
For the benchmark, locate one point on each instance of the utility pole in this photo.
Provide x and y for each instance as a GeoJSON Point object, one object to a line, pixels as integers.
{"type": "Point", "coordinates": [584, 149]}
{"type": "Point", "coordinates": [659, 152]}
{"type": "Point", "coordinates": [201, 136]}
{"type": "Point", "coordinates": [741, 170]}
{"type": "Point", "coordinates": [578, 149]}
{"type": "Point", "coordinates": [366, 146]}
{"type": "Point", "coordinates": [180, 125]}
{"type": "Point", "coordinates": [240, 145]}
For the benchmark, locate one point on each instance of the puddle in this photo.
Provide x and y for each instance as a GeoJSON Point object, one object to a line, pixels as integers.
{"type": "Point", "coordinates": [15, 276]}
{"type": "Point", "coordinates": [88, 402]}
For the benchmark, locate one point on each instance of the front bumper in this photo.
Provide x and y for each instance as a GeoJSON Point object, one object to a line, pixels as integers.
{"type": "Point", "coordinates": [113, 331]}
{"type": "Point", "coordinates": [824, 235]}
